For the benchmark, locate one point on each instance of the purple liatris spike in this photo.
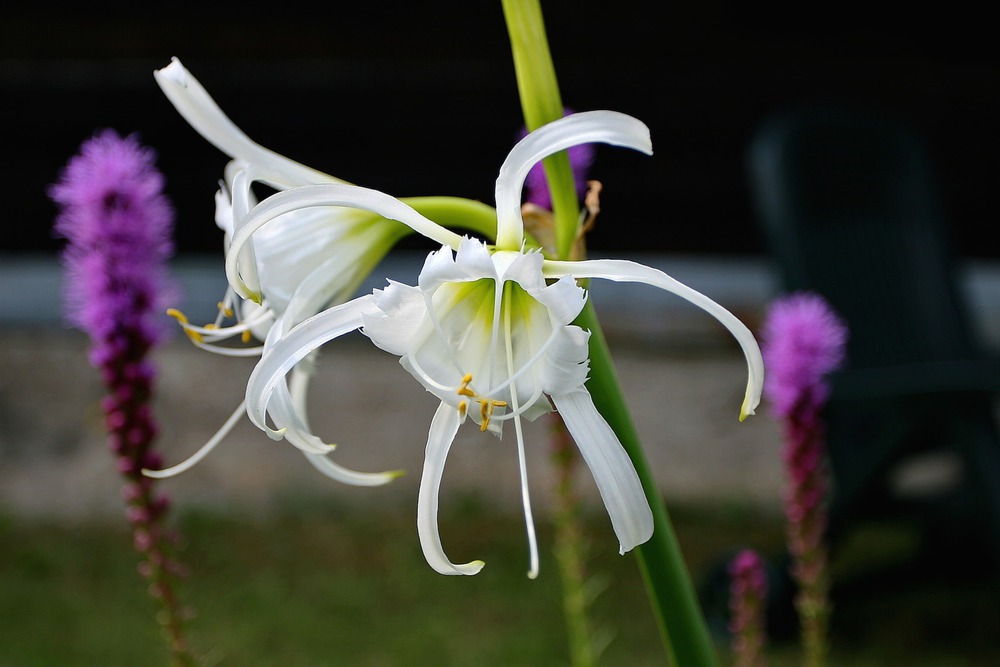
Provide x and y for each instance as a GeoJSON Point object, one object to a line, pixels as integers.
{"type": "Point", "coordinates": [536, 187]}
{"type": "Point", "coordinates": [118, 225]}
{"type": "Point", "coordinates": [747, 605]}
{"type": "Point", "coordinates": [803, 342]}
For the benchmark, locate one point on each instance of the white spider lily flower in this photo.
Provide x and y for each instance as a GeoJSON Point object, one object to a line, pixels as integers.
{"type": "Point", "coordinates": [312, 258]}
{"type": "Point", "coordinates": [488, 330]}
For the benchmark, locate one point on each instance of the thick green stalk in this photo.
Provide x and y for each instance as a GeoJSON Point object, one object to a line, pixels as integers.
{"type": "Point", "coordinates": [668, 582]}
{"type": "Point", "coordinates": [664, 570]}
{"type": "Point", "coordinates": [541, 104]}
{"type": "Point", "coordinates": [456, 212]}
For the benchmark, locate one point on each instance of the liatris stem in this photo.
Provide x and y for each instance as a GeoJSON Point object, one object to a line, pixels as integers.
{"type": "Point", "coordinates": [570, 549]}
{"type": "Point", "coordinates": [747, 606]}
{"type": "Point", "coordinates": [805, 511]}
{"type": "Point", "coordinates": [804, 340]}
{"type": "Point", "coordinates": [118, 224]}
{"type": "Point", "coordinates": [132, 429]}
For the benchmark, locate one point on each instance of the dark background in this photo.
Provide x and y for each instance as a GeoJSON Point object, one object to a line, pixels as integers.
{"type": "Point", "coordinates": [420, 99]}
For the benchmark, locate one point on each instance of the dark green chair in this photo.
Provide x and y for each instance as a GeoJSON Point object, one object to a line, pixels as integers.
{"type": "Point", "coordinates": [850, 210]}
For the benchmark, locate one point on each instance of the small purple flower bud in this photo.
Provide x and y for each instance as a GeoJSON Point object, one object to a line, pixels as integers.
{"type": "Point", "coordinates": [142, 540]}
{"type": "Point", "coordinates": [116, 420]}
{"type": "Point", "coordinates": [137, 514]}
{"type": "Point", "coordinates": [132, 492]}
{"type": "Point", "coordinates": [747, 598]}
{"type": "Point", "coordinates": [125, 465]}
{"type": "Point", "coordinates": [536, 187]}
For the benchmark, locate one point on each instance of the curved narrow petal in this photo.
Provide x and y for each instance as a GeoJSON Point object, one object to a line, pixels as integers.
{"type": "Point", "coordinates": [611, 467]}
{"type": "Point", "coordinates": [290, 424]}
{"type": "Point", "coordinates": [442, 433]}
{"type": "Point", "coordinates": [609, 127]}
{"type": "Point", "coordinates": [332, 194]}
{"type": "Point", "coordinates": [298, 390]}
{"type": "Point", "coordinates": [245, 257]}
{"type": "Point", "coordinates": [203, 451]}
{"type": "Point", "coordinates": [291, 348]}
{"type": "Point", "coordinates": [339, 473]}
{"type": "Point", "coordinates": [626, 271]}
{"type": "Point", "coordinates": [198, 108]}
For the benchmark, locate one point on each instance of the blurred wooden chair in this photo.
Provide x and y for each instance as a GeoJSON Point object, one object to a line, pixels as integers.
{"type": "Point", "coordinates": [850, 210]}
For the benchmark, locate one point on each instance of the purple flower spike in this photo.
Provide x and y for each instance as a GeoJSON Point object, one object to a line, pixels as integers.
{"type": "Point", "coordinates": [803, 342]}
{"type": "Point", "coordinates": [118, 225]}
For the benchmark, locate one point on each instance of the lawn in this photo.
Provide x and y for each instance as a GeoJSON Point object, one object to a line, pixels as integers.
{"type": "Point", "coordinates": [310, 585]}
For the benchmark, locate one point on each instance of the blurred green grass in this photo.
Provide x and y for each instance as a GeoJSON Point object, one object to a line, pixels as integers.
{"type": "Point", "coordinates": [315, 584]}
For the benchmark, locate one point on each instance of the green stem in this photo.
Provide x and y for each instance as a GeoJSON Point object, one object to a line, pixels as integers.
{"type": "Point", "coordinates": [457, 212]}
{"type": "Point", "coordinates": [668, 583]}
{"type": "Point", "coordinates": [569, 547]}
{"type": "Point", "coordinates": [541, 104]}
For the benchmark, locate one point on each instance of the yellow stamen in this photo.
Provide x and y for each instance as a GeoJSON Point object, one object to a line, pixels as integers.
{"type": "Point", "coordinates": [486, 405]}
{"type": "Point", "coordinates": [464, 389]}
{"type": "Point", "coordinates": [225, 310]}
{"type": "Point", "coordinates": [180, 317]}
{"type": "Point", "coordinates": [245, 336]}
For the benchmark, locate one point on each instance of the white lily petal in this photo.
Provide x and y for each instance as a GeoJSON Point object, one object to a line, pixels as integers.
{"type": "Point", "coordinates": [328, 195]}
{"type": "Point", "coordinates": [203, 451]}
{"type": "Point", "coordinates": [224, 212]}
{"type": "Point", "coordinates": [401, 311]}
{"type": "Point", "coordinates": [288, 414]}
{"type": "Point", "coordinates": [289, 423]}
{"type": "Point", "coordinates": [298, 389]}
{"type": "Point", "coordinates": [292, 347]}
{"type": "Point", "coordinates": [442, 433]}
{"type": "Point", "coordinates": [626, 271]}
{"type": "Point", "coordinates": [337, 247]}
{"type": "Point", "coordinates": [611, 467]}
{"type": "Point", "coordinates": [245, 257]}
{"type": "Point", "coordinates": [198, 108]}
{"type": "Point", "coordinates": [471, 261]}
{"type": "Point", "coordinates": [339, 473]}
{"type": "Point", "coordinates": [609, 127]}
{"type": "Point", "coordinates": [291, 245]}
{"type": "Point", "coordinates": [564, 300]}
{"type": "Point", "coordinates": [568, 361]}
